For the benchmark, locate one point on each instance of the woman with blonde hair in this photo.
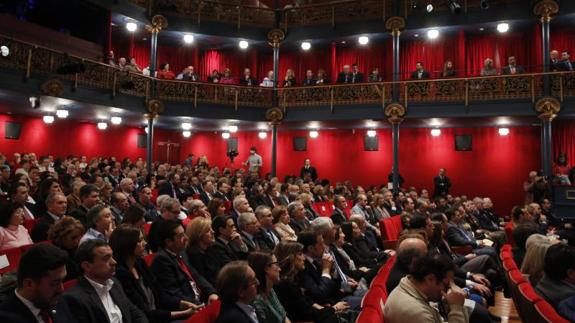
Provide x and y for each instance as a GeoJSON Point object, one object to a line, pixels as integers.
{"type": "Point", "coordinates": [281, 221]}
{"type": "Point", "coordinates": [532, 266]}
{"type": "Point", "coordinates": [200, 238]}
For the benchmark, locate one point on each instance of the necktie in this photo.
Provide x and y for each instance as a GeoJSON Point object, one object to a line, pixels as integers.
{"type": "Point", "coordinates": [46, 316]}
{"type": "Point", "coordinates": [273, 237]}
{"type": "Point", "coordinates": [186, 271]}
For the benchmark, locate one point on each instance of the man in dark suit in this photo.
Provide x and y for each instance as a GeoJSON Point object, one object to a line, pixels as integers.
{"type": "Point", "coordinates": [41, 271]}
{"type": "Point", "coordinates": [338, 216]}
{"type": "Point", "coordinates": [89, 196]}
{"type": "Point", "coordinates": [239, 287]}
{"type": "Point", "coordinates": [441, 184]}
{"type": "Point", "coordinates": [309, 79]}
{"type": "Point", "coordinates": [565, 64]}
{"type": "Point", "coordinates": [554, 61]}
{"type": "Point", "coordinates": [419, 73]}
{"type": "Point", "coordinates": [249, 226]}
{"type": "Point", "coordinates": [267, 237]}
{"type": "Point", "coordinates": [170, 209]}
{"type": "Point", "coordinates": [228, 245]}
{"type": "Point", "coordinates": [356, 76]}
{"type": "Point", "coordinates": [283, 197]}
{"type": "Point", "coordinates": [56, 204]}
{"type": "Point", "coordinates": [179, 282]}
{"type": "Point", "coordinates": [119, 205]}
{"type": "Point", "coordinates": [298, 221]}
{"type": "Point", "coordinates": [308, 172]}
{"type": "Point", "coordinates": [19, 194]}
{"type": "Point", "coordinates": [223, 189]}
{"type": "Point", "coordinates": [98, 297]}
{"type": "Point", "coordinates": [457, 236]}
{"type": "Point", "coordinates": [512, 68]}
{"type": "Point", "coordinates": [344, 77]}
{"type": "Point", "coordinates": [207, 193]}
{"type": "Point", "coordinates": [248, 79]}
{"type": "Point", "coordinates": [170, 187]}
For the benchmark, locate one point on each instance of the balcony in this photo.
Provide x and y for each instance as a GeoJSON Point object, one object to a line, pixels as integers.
{"type": "Point", "coordinates": [40, 62]}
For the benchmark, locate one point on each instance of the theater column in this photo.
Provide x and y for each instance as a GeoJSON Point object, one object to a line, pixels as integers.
{"type": "Point", "coordinates": [545, 9]}
{"type": "Point", "coordinates": [395, 25]}
{"type": "Point", "coordinates": [547, 109]}
{"type": "Point", "coordinates": [274, 116]}
{"type": "Point", "coordinates": [275, 37]}
{"type": "Point", "coordinates": [395, 113]}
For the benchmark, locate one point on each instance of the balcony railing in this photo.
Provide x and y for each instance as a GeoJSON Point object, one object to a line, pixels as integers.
{"type": "Point", "coordinates": [37, 61]}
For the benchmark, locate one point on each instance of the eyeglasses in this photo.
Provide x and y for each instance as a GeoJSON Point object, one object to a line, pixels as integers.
{"type": "Point", "coordinates": [273, 263]}
{"type": "Point", "coordinates": [254, 281]}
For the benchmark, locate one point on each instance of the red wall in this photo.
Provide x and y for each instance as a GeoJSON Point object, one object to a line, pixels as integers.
{"type": "Point", "coordinates": [496, 167]}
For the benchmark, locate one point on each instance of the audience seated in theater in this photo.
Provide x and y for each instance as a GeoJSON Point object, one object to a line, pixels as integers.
{"type": "Point", "coordinates": [140, 285]}
{"type": "Point", "coordinates": [89, 197]}
{"type": "Point", "coordinates": [267, 305]}
{"type": "Point", "coordinates": [269, 80]}
{"type": "Point", "coordinates": [200, 238]}
{"type": "Point", "coordinates": [100, 224]}
{"type": "Point", "coordinates": [119, 205]}
{"type": "Point", "coordinates": [56, 208]}
{"type": "Point", "coordinates": [41, 271]}
{"type": "Point", "coordinates": [554, 60]}
{"type": "Point", "coordinates": [306, 201]}
{"type": "Point", "coordinates": [12, 233]}
{"type": "Point", "coordinates": [222, 190]}
{"type": "Point", "coordinates": [110, 59]}
{"type": "Point", "coordinates": [520, 235]}
{"type": "Point", "coordinates": [363, 275]}
{"type": "Point", "coordinates": [512, 68]}
{"type": "Point", "coordinates": [19, 195]}
{"type": "Point", "coordinates": [350, 76]}
{"type": "Point", "coordinates": [238, 286]}
{"type": "Point", "coordinates": [362, 208]}
{"type": "Point", "coordinates": [338, 216]}
{"type": "Point", "coordinates": [65, 234]}
{"type": "Point", "coordinates": [188, 74]}
{"type": "Point", "coordinates": [73, 197]}
{"type": "Point", "coordinates": [122, 63]}
{"type": "Point", "coordinates": [214, 77]}
{"type": "Point", "coordinates": [249, 227]}
{"type": "Point", "coordinates": [458, 236]}
{"type": "Point", "coordinates": [208, 191]}
{"type": "Point", "coordinates": [430, 277]}
{"type": "Point", "coordinates": [533, 262]}
{"type": "Point", "coordinates": [144, 203]}
{"type": "Point", "coordinates": [165, 73]}
{"type": "Point", "coordinates": [181, 285]}
{"type": "Point", "coordinates": [170, 210]}
{"type": "Point", "coordinates": [281, 221]}
{"type": "Point", "coordinates": [374, 76]}
{"type": "Point", "coordinates": [309, 79]}
{"type": "Point", "coordinates": [240, 205]}
{"type": "Point", "coordinates": [448, 70]}
{"type": "Point", "coordinates": [298, 221]}
{"type": "Point", "coordinates": [228, 245]}
{"type": "Point", "coordinates": [488, 68]}
{"type": "Point", "coordinates": [558, 282]}
{"type": "Point", "coordinates": [267, 237]}
{"type": "Point", "coordinates": [98, 296]}
{"type": "Point", "coordinates": [420, 73]}
{"type": "Point", "coordinates": [322, 78]}
{"type": "Point", "coordinates": [133, 67]}
{"type": "Point", "coordinates": [565, 64]}
{"type": "Point", "coordinates": [378, 206]}
{"type": "Point", "coordinates": [135, 217]}
{"type": "Point", "coordinates": [247, 79]}
{"type": "Point", "coordinates": [289, 79]}
{"type": "Point", "coordinates": [216, 207]}
{"type": "Point", "coordinates": [227, 78]}
{"type": "Point", "coordinates": [359, 247]}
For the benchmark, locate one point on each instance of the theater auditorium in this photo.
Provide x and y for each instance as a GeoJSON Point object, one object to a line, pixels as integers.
{"type": "Point", "coordinates": [287, 161]}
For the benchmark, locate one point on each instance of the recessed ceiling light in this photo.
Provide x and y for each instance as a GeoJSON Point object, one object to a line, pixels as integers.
{"type": "Point", "coordinates": [186, 125]}
{"type": "Point", "coordinates": [313, 134]}
{"type": "Point", "coordinates": [432, 33]}
{"type": "Point", "coordinates": [503, 131]}
{"type": "Point", "coordinates": [481, 29]}
{"type": "Point", "coordinates": [416, 35]}
{"type": "Point", "coordinates": [243, 44]}
{"type": "Point", "coordinates": [131, 26]}
{"type": "Point", "coordinates": [233, 129]}
{"type": "Point", "coordinates": [226, 135]}
{"type": "Point", "coordinates": [429, 7]}
{"type": "Point", "coordinates": [187, 134]}
{"type": "Point", "coordinates": [116, 110]}
{"type": "Point", "coordinates": [102, 125]}
{"type": "Point", "coordinates": [62, 114]}
{"type": "Point", "coordinates": [343, 41]}
{"type": "Point", "coordinates": [305, 45]}
{"type": "Point", "coordinates": [48, 119]}
{"type": "Point", "coordinates": [363, 40]}
{"type": "Point", "coordinates": [188, 38]}
{"type": "Point", "coordinates": [435, 132]}
{"type": "Point", "coordinates": [116, 120]}
{"type": "Point", "coordinates": [503, 27]}
{"type": "Point", "coordinates": [371, 133]}
{"type": "Point", "coordinates": [262, 134]}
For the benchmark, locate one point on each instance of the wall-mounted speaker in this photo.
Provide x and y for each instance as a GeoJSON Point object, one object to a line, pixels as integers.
{"type": "Point", "coordinates": [300, 143]}
{"type": "Point", "coordinates": [142, 140]}
{"type": "Point", "coordinates": [12, 130]}
{"type": "Point", "coordinates": [463, 143]}
{"type": "Point", "coordinates": [370, 143]}
{"type": "Point", "coordinates": [232, 144]}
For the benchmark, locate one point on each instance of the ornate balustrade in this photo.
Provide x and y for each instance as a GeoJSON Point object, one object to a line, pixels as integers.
{"type": "Point", "coordinates": [44, 63]}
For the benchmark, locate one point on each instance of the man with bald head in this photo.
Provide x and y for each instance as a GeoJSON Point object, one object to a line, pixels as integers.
{"type": "Point", "coordinates": [408, 251]}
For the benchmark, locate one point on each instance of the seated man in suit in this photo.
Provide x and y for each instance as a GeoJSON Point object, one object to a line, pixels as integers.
{"type": "Point", "coordinates": [338, 217]}
{"type": "Point", "coordinates": [249, 227]}
{"type": "Point", "coordinates": [248, 79]}
{"type": "Point", "coordinates": [238, 286]}
{"type": "Point", "coordinates": [512, 68]}
{"type": "Point", "coordinates": [228, 245]}
{"type": "Point", "coordinates": [344, 76]}
{"type": "Point", "coordinates": [309, 79]}
{"type": "Point", "coordinates": [98, 296]}
{"type": "Point", "coordinates": [457, 236]}
{"type": "Point", "coordinates": [89, 196]}
{"type": "Point", "coordinates": [41, 271]}
{"type": "Point", "coordinates": [565, 64]}
{"type": "Point", "coordinates": [554, 60]}
{"type": "Point", "coordinates": [268, 238]}
{"type": "Point", "coordinates": [239, 206]}
{"type": "Point", "coordinates": [19, 194]}
{"type": "Point", "coordinates": [170, 210]}
{"type": "Point", "coordinates": [56, 204]}
{"type": "Point", "coordinates": [170, 187]}
{"type": "Point", "coordinates": [356, 76]}
{"type": "Point", "coordinates": [223, 189]}
{"type": "Point", "coordinates": [208, 191]}
{"type": "Point", "coordinates": [298, 221]}
{"type": "Point", "coordinates": [419, 73]}
{"type": "Point", "coordinates": [179, 282]}
{"type": "Point", "coordinates": [558, 283]}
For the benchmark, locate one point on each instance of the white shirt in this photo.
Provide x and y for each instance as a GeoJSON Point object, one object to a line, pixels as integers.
{"type": "Point", "coordinates": [35, 311]}
{"type": "Point", "coordinates": [103, 291]}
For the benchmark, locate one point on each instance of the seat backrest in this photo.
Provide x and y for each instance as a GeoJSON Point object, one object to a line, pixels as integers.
{"type": "Point", "coordinates": [391, 228]}
{"type": "Point", "coordinates": [208, 314]}
{"type": "Point", "coordinates": [509, 264]}
{"type": "Point", "coordinates": [12, 257]}
{"type": "Point", "coordinates": [506, 247]}
{"type": "Point", "coordinates": [69, 284]}
{"type": "Point", "coordinates": [30, 224]}
{"type": "Point", "coordinates": [548, 313]}
{"type": "Point", "coordinates": [375, 297]}
{"type": "Point", "coordinates": [509, 233]}
{"type": "Point", "coordinates": [526, 299]}
{"type": "Point", "coordinates": [149, 258]}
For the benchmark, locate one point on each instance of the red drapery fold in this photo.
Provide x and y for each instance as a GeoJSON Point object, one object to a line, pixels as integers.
{"type": "Point", "coordinates": [433, 54]}
{"type": "Point", "coordinates": [564, 140]}
{"type": "Point", "coordinates": [563, 40]}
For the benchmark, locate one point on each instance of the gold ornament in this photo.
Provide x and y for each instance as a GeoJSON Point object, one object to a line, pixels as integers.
{"type": "Point", "coordinates": [52, 88]}
{"type": "Point", "coordinates": [274, 115]}
{"type": "Point", "coordinates": [395, 113]}
{"type": "Point", "coordinates": [547, 108]}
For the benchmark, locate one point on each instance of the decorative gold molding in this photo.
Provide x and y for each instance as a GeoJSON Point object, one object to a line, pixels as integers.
{"type": "Point", "coordinates": [545, 9]}
{"type": "Point", "coordinates": [395, 24]}
{"type": "Point", "coordinates": [159, 22]}
{"type": "Point", "coordinates": [52, 87]}
{"type": "Point", "coordinates": [155, 107]}
{"type": "Point", "coordinates": [274, 115]}
{"type": "Point", "coordinates": [275, 37]}
{"type": "Point", "coordinates": [395, 113]}
{"type": "Point", "coordinates": [547, 108]}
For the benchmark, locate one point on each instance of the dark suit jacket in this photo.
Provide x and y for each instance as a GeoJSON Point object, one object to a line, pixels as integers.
{"type": "Point", "coordinates": [232, 313]}
{"type": "Point", "coordinates": [311, 171]}
{"type": "Point", "coordinates": [485, 221]}
{"type": "Point", "coordinates": [310, 213]}
{"type": "Point", "coordinates": [563, 66]}
{"type": "Point", "coordinates": [297, 226]}
{"type": "Point", "coordinates": [424, 75]}
{"type": "Point", "coordinates": [252, 245]}
{"type": "Point", "coordinates": [173, 283]}
{"type": "Point", "coordinates": [14, 311]}
{"type": "Point", "coordinates": [221, 195]}
{"type": "Point", "coordinates": [321, 289]}
{"type": "Point", "coordinates": [205, 197]}
{"type": "Point", "coordinates": [350, 78]}
{"type": "Point", "coordinates": [456, 237]}
{"type": "Point", "coordinates": [269, 202]}
{"type": "Point", "coordinates": [203, 263]}
{"type": "Point", "coordinates": [299, 307]}
{"type": "Point", "coordinates": [40, 231]}
{"type": "Point", "coordinates": [338, 217]}
{"type": "Point", "coordinates": [86, 306]}
{"type": "Point", "coordinates": [80, 214]}
{"type": "Point", "coordinates": [136, 294]}
{"type": "Point", "coordinates": [256, 201]}
{"type": "Point", "coordinates": [307, 81]}
{"type": "Point", "coordinates": [167, 188]}
{"type": "Point", "coordinates": [441, 185]}
{"type": "Point", "coordinates": [518, 70]}
{"type": "Point", "coordinates": [220, 254]}
{"type": "Point", "coordinates": [283, 199]}
{"type": "Point", "coordinates": [249, 82]}
{"type": "Point", "coordinates": [265, 241]}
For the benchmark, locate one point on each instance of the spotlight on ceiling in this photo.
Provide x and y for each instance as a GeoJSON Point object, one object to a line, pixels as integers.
{"type": "Point", "coordinates": [503, 131]}
{"type": "Point", "coordinates": [503, 27]}
{"type": "Point", "coordinates": [484, 4]}
{"type": "Point", "coordinates": [429, 7]}
{"type": "Point", "coordinates": [371, 133]}
{"type": "Point", "coordinates": [186, 125]}
{"type": "Point", "coordinates": [363, 40]}
{"type": "Point", "coordinates": [116, 120]}
{"type": "Point", "coordinates": [102, 125]}
{"type": "Point", "coordinates": [187, 134]}
{"type": "Point", "coordinates": [131, 26]}
{"type": "Point", "coordinates": [4, 51]}
{"type": "Point", "coordinates": [435, 132]}
{"type": "Point", "coordinates": [313, 134]}
{"type": "Point", "coordinates": [188, 38]}
{"type": "Point", "coordinates": [305, 45]}
{"type": "Point", "coordinates": [454, 6]}
{"type": "Point", "coordinates": [262, 135]}
{"type": "Point", "coordinates": [62, 114]}
{"type": "Point", "coordinates": [233, 129]}
{"type": "Point", "coordinates": [243, 44]}
{"type": "Point", "coordinates": [432, 33]}
{"type": "Point", "coordinates": [226, 135]}
{"type": "Point", "coordinates": [48, 119]}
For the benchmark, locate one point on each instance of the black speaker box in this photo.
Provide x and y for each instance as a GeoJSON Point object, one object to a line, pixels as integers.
{"type": "Point", "coordinates": [142, 140]}
{"type": "Point", "coordinates": [370, 143]}
{"type": "Point", "coordinates": [300, 143]}
{"type": "Point", "coordinates": [463, 143]}
{"type": "Point", "coordinates": [12, 130]}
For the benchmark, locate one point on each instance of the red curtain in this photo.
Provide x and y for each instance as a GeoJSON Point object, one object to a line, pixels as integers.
{"type": "Point", "coordinates": [564, 140]}
{"type": "Point", "coordinates": [563, 40]}
{"type": "Point", "coordinates": [258, 62]}
{"type": "Point", "coordinates": [433, 54]}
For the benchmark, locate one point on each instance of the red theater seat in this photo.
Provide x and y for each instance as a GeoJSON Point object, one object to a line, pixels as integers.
{"type": "Point", "coordinates": [509, 233]}
{"type": "Point", "coordinates": [509, 264]}
{"type": "Point", "coordinates": [30, 224]}
{"type": "Point", "coordinates": [13, 256]}
{"type": "Point", "coordinates": [69, 284]}
{"type": "Point", "coordinates": [506, 247]}
{"type": "Point", "coordinates": [525, 301]}
{"type": "Point", "coordinates": [375, 297]}
{"type": "Point", "coordinates": [147, 227]}
{"type": "Point", "coordinates": [208, 314]}
{"type": "Point", "coordinates": [390, 229]}
{"type": "Point", "coordinates": [149, 258]}
{"type": "Point", "coordinates": [548, 314]}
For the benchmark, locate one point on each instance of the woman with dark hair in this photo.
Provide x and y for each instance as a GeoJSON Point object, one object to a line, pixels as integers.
{"type": "Point", "coordinates": [448, 70]}
{"type": "Point", "coordinates": [561, 169]}
{"type": "Point", "coordinates": [12, 233]}
{"type": "Point", "coordinates": [346, 263]}
{"type": "Point", "coordinates": [300, 307]}
{"type": "Point", "coordinates": [268, 307]}
{"type": "Point", "coordinates": [134, 216]}
{"type": "Point", "coordinates": [216, 207]}
{"type": "Point", "coordinates": [165, 73]}
{"type": "Point", "coordinates": [139, 284]}
{"type": "Point", "coordinates": [47, 186]}
{"type": "Point", "coordinates": [65, 234]}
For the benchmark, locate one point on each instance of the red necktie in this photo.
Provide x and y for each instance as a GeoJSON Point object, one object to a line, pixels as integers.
{"type": "Point", "coordinates": [46, 316]}
{"type": "Point", "coordinates": [186, 271]}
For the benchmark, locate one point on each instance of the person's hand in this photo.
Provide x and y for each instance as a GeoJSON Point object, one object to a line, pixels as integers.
{"type": "Point", "coordinates": [482, 289]}
{"type": "Point", "coordinates": [480, 243]}
{"type": "Point", "coordinates": [235, 235]}
{"type": "Point", "coordinates": [340, 307]}
{"type": "Point", "coordinates": [326, 261]}
{"type": "Point", "coordinates": [186, 305]}
{"type": "Point", "coordinates": [470, 256]}
{"type": "Point", "coordinates": [108, 231]}
{"type": "Point", "coordinates": [363, 269]}
{"type": "Point", "coordinates": [352, 283]}
{"type": "Point", "coordinates": [479, 278]}
{"type": "Point", "coordinates": [454, 297]}
{"type": "Point", "coordinates": [213, 298]}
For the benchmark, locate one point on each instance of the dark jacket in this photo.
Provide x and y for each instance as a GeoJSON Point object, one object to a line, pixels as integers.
{"type": "Point", "coordinates": [86, 306]}
{"type": "Point", "coordinates": [457, 237]}
{"type": "Point", "coordinates": [518, 70]}
{"type": "Point", "coordinates": [203, 263]}
{"type": "Point", "coordinates": [14, 311]}
{"type": "Point", "coordinates": [321, 289]}
{"type": "Point", "coordinates": [79, 214]}
{"type": "Point", "coordinates": [338, 217]}
{"type": "Point", "coordinates": [415, 75]}
{"type": "Point", "coordinates": [311, 171]}
{"type": "Point", "coordinates": [299, 307]}
{"type": "Point", "coordinates": [219, 254]}
{"type": "Point", "coordinates": [232, 313]}
{"type": "Point", "coordinates": [40, 230]}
